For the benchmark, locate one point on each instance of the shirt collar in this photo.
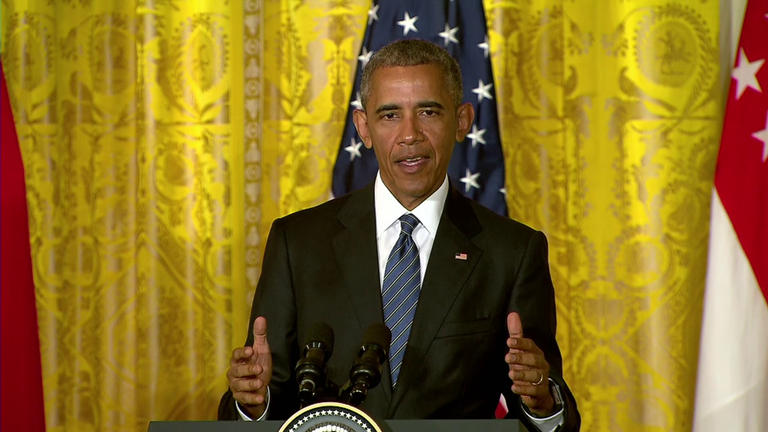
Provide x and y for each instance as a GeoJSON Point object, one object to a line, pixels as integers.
{"type": "Point", "coordinates": [388, 208]}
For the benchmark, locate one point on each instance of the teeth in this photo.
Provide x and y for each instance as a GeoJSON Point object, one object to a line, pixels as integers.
{"type": "Point", "coordinates": [412, 161]}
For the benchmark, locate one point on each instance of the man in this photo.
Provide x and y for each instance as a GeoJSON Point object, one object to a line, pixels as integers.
{"type": "Point", "coordinates": [466, 292]}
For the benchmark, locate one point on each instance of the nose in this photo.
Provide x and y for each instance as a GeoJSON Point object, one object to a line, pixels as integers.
{"type": "Point", "coordinates": [411, 131]}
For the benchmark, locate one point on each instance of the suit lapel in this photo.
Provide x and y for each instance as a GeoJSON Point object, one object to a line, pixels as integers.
{"type": "Point", "coordinates": [446, 275]}
{"type": "Point", "coordinates": [357, 256]}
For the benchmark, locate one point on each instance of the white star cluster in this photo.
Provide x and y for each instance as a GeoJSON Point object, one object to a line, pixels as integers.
{"type": "Point", "coordinates": [464, 39]}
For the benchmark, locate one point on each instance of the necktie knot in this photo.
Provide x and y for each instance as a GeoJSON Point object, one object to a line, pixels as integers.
{"type": "Point", "coordinates": [408, 222]}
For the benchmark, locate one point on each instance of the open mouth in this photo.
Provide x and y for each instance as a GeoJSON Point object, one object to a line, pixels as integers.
{"type": "Point", "coordinates": [412, 161]}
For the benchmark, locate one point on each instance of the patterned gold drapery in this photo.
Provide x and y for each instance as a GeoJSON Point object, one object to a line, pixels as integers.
{"type": "Point", "coordinates": [611, 122]}
{"type": "Point", "coordinates": [127, 127]}
{"type": "Point", "coordinates": [161, 138]}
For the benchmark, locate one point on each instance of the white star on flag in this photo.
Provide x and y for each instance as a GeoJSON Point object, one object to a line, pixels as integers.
{"type": "Point", "coordinates": [503, 192]}
{"type": "Point", "coordinates": [449, 34]}
{"type": "Point", "coordinates": [354, 150]}
{"type": "Point", "coordinates": [408, 24]}
{"type": "Point", "coordinates": [462, 27]}
{"type": "Point", "coordinates": [485, 46]}
{"type": "Point", "coordinates": [365, 57]}
{"type": "Point", "coordinates": [763, 136]}
{"type": "Point", "coordinates": [476, 136]}
{"type": "Point", "coordinates": [745, 74]}
{"type": "Point", "coordinates": [357, 103]}
{"type": "Point", "coordinates": [483, 91]}
{"type": "Point", "coordinates": [733, 353]}
{"type": "Point", "coordinates": [470, 181]}
{"type": "Point", "coordinates": [373, 14]}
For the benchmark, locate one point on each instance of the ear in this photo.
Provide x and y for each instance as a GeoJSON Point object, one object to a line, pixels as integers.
{"type": "Point", "coordinates": [465, 115]}
{"type": "Point", "coordinates": [360, 118]}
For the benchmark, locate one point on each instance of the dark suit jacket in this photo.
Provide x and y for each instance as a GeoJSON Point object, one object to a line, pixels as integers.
{"type": "Point", "coordinates": [321, 265]}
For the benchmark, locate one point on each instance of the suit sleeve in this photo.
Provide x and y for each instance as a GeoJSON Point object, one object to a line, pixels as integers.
{"type": "Point", "coordinates": [533, 297]}
{"type": "Point", "coordinates": [274, 300]}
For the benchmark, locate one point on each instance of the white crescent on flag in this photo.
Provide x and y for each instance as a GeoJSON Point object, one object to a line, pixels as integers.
{"type": "Point", "coordinates": [732, 382]}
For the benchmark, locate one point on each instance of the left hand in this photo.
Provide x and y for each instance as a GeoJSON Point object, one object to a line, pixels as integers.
{"type": "Point", "coordinates": [528, 369]}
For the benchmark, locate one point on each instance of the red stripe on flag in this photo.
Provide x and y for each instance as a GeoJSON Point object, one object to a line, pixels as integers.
{"type": "Point", "coordinates": [21, 384]}
{"type": "Point", "coordinates": [501, 408]}
{"type": "Point", "coordinates": [741, 178]}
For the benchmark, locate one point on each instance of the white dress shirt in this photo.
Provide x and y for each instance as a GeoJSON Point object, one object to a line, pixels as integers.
{"type": "Point", "coordinates": [388, 211]}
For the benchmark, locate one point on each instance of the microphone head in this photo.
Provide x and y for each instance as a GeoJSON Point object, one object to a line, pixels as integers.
{"type": "Point", "coordinates": [320, 334]}
{"type": "Point", "coordinates": [378, 334]}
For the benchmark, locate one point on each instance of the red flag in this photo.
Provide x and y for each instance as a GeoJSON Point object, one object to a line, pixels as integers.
{"type": "Point", "coordinates": [732, 384]}
{"type": "Point", "coordinates": [21, 383]}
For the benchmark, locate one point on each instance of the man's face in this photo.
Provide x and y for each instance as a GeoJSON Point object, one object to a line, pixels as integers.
{"type": "Point", "coordinates": [412, 124]}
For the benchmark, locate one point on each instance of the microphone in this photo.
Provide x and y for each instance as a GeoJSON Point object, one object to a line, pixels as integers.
{"type": "Point", "coordinates": [310, 369]}
{"type": "Point", "coordinates": [366, 369]}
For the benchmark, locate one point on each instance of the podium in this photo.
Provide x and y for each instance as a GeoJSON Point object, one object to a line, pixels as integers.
{"type": "Point", "coordinates": [385, 425]}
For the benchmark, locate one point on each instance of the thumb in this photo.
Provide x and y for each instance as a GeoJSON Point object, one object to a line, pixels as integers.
{"type": "Point", "coordinates": [260, 333]}
{"type": "Point", "coordinates": [514, 325]}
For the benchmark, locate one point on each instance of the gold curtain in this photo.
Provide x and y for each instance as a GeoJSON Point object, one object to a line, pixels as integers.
{"type": "Point", "coordinates": [610, 123]}
{"type": "Point", "coordinates": [130, 138]}
{"type": "Point", "coordinates": [161, 138]}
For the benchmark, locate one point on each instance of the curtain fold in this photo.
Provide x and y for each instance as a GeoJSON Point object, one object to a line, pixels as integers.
{"type": "Point", "coordinates": [162, 138]}
{"type": "Point", "coordinates": [611, 117]}
{"type": "Point", "coordinates": [124, 118]}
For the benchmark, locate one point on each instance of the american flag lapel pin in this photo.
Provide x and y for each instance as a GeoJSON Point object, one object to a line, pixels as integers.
{"type": "Point", "coordinates": [461, 256]}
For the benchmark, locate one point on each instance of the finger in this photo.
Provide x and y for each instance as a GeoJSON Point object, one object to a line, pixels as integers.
{"type": "Point", "coordinates": [241, 354]}
{"type": "Point", "coordinates": [260, 333]}
{"type": "Point", "coordinates": [514, 325]}
{"type": "Point", "coordinates": [529, 376]}
{"type": "Point", "coordinates": [523, 344]}
{"type": "Point", "coordinates": [249, 398]}
{"type": "Point", "coordinates": [518, 367]}
{"type": "Point", "coordinates": [524, 359]}
{"type": "Point", "coordinates": [246, 385]}
{"type": "Point", "coordinates": [245, 370]}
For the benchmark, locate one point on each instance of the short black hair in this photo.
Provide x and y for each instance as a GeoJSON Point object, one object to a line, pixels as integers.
{"type": "Point", "coordinates": [413, 52]}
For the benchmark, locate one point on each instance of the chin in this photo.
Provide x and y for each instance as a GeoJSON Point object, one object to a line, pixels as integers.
{"type": "Point", "coordinates": [416, 193]}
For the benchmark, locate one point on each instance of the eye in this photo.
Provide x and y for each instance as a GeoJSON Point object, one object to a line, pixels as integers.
{"type": "Point", "coordinates": [389, 116]}
{"type": "Point", "coordinates": [429, 112]}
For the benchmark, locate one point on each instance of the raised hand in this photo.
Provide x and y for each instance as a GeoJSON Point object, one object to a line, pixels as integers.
{"type": "Point", "coordinates": [528, 369]}
{"type": "Point", "coordinates": [250, 371]}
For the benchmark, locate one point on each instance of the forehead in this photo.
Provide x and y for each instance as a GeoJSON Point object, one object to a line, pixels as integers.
{"type": "Point", "coordinates": [422, 81]}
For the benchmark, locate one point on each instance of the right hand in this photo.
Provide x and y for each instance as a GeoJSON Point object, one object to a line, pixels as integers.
{"type": "Point", "coordinates": [250, 371]}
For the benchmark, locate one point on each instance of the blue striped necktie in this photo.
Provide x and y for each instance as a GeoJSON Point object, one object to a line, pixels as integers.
{"type": "Point", "coordinates": [402, 284]}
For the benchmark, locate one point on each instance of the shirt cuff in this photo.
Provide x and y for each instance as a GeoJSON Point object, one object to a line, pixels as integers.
{"type": "Point", "coordinates": [553, 421]}
{"type": "Point", "coordinates": [263, 417]}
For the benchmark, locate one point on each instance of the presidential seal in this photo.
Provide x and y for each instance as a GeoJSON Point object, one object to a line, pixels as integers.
{"type": "Point", "coordinates": [330, 417]}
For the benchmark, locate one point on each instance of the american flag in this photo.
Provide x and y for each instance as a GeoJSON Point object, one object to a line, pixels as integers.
{"type": "Point", "coordinates": [477, 166]}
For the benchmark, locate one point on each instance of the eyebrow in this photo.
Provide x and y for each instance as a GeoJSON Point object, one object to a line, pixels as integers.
{"type": "Point", "coordinates": [420, 104]}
